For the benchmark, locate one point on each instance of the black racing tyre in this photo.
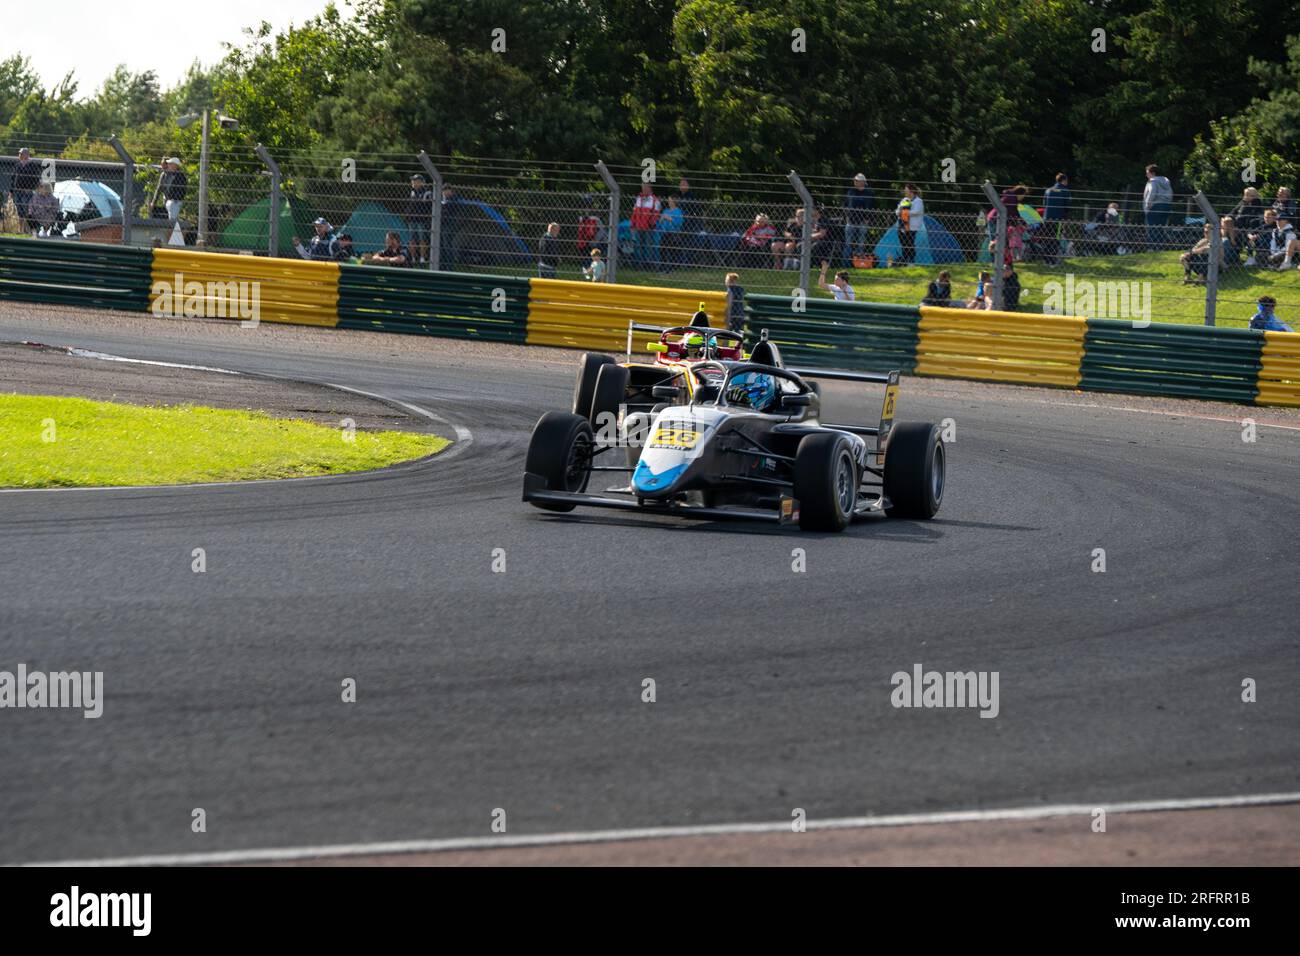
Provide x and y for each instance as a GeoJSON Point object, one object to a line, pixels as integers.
{"type": "Point", "coordinates": [915, 470]}
{"type": "Point", "coordinates": [825, 482]}
{"type": "Point", "coordinates": [584, 388]}
{"type": "Point", "coordinates": [560, 452]}
{"type": "Point", "coordinates": [610, 393]}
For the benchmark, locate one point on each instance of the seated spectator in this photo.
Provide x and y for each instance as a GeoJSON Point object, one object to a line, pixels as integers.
{"type": "Point", "coordinates": [982, 298]}
{"type": "Point", "coordinates": [758, 238]}
{"type": "Point", "coordinates": [840, 288]}
{"type": "Point", "coordinates": [939, 291]}
{"type": "Point", "coordinates": [347, 252]}
{"type": "Point", "coordinates": [1255, 242]}
{"type": "Point", "coordinates": [393, 254]}
{"type": "Point", "coordinates": [1282, 244]}
{"type": "Point", "coordinates": [1010, 290]}
{"type": "Point", "coordinates": [1230, 240]}
{"type": "Point", "coordinates": [1105, 233]}
{"type": "Point", "coordinates": [1249, 213]}
{"type": "Point", "coordinates": [548, 252]}
{"type": "Point", "coordinates": [43, 211]}
{"type": "Point", "coordinates": [821, 240]}
{"type": "Point", "coordinates": [1196, 261]}
{"type": "Point", "coordinates": [784, 249]}
{"type": "Point", "coordinates": [1264, 319]}
{"type": "Point", "coordinates": [596, 270]}
{"type": "Point", "coordinates": [1284, 204]}
{"type": "Point", "coordinates": [324, 245]}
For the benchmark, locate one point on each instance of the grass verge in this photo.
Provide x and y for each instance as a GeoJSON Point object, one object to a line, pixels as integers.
{"type": "Point", "coordinates": [48, 442]}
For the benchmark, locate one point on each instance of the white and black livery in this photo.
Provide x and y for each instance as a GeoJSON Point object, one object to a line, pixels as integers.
{"type": "Point", "coordinates": [719, 438]}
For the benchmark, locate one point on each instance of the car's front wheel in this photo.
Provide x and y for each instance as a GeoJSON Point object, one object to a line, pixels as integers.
{"type": "Point", "coordinates": [825, 482]}
{"type": "Point", "coordinates": [560, 452]}
{"type": "Point", "coordinates": [915, 470]}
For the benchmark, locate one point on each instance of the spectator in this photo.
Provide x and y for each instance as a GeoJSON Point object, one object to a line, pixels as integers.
{"type": "Point", "coordinates": [982, 299]}
{"type": "Point", "coordinates": [735, 302]}
{"type": "Point", "coordinates": [324, 245]}
{"type": "Point", "coordinates": [1282, 244]}
{"type": "Point", "coordinates": [1157, 200]}
{"type": "Point", "coordinates": [393, 254]}
{"type": "Point", "coordinates": [667, 231]}
{"type": "Point", "coordinates": [1230, 240]}
{"type": "Point", "coordinates": [592, 233]}
{"type": "Point", "coordinates": [911, 220]}
{"type": "Point", "coordinates": [347, 253]}
{"type": "Point", "coordinates": [596, 270]}
{"type": "Point", "coordinates": [939, 292]}
{"type": "Point", "coordinates": [821, 244]}
{"type": "Point", "coordinates": [26, 177]}
{"type": "Point", "coordinates": [692, 220]}
{"type": "Point", "coordinates": [1056, 205]}
{"type": "Point", "coordinates": [840, 288]}
{"type": "Point", "coordinates": [419, 213]}
{"type": "Point", "coordinates": [785, 249]}
{"type": "Point", "coordinates": [1256, 242]}
{"type": "Point", "coordinates": [1264, 319]}
{"type": "Point", "coordinates": [1010, 290]}
{"type": "Point", "coordinates": [858, 203]}
{"type": "Point", "coordinates": [1284, 204]}
{"type": "Point", "coordinates": [43, 211]}
{"type": "Point", "coordinates": [757, 239]}
{"type": "Point", "coordinates": [173, 187]}
{"type": "Point", "coordinates": [548, 252]}
{"type": "Point", "coordinates": [645, 216]}
{"type": "Point", "coordinates": [1196, 260]}
{"type": "Point", "coordinates": [1249, 213]}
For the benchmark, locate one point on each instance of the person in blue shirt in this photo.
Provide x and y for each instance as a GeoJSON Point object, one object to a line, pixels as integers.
{"type": "Point", "coordinates": [1264, 319]}
{"type": "Point", "coordinates": [324, 245]}
{"type": "Point", "coordinates": [665, 234]}
{"type": "Point", "coordinates": [1056, 200]}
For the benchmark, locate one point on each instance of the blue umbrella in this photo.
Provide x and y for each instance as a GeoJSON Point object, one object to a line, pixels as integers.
{"type": "Point", "coordinates": [75, 193]}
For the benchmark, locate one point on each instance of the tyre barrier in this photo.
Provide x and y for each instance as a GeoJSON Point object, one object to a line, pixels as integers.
{"type": "Point", "coordinates": [1180, 361]}
{"type": "Point", "coordinates": [1012, 347]}
{"type": "Point", "coordinates": [858, 336]}
{"type": "Point", "coordinates": [590, 315]}
{"type": "Point", "coordinates": [75, 273]}
{"type": "Point", "coordinates": [1279, 373]}
{"type": "Point", "coordinates": [445, 304]}
{"type": "Point", "coordinates": [189, 282]}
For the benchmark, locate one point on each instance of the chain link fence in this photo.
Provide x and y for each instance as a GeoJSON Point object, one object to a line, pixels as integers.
{"type": "Point", "coordinates": [1106, 254]}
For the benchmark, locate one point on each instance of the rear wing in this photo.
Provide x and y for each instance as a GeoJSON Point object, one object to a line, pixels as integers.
{"type": "Point", "coordinates": [887, 379]}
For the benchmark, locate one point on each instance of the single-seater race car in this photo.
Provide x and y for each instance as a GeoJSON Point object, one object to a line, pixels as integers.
{"type": "Point", "coordinates": [714, 437]}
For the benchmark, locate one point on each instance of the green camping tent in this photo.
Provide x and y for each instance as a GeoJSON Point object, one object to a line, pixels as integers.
{"type": "Point", "coordinates": [250, 229]}
{"type": "Point", "coordinates": [369, 225]}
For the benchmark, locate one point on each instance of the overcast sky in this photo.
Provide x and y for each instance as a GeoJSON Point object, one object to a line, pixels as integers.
{"type": "Point", "coordinates": [92, 37]}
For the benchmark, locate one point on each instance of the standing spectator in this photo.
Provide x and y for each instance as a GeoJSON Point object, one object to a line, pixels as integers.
{"type": "Point", "coordinates": [1157, 200]}
{"type": "Point", "coordinates": [324, 245]}
{"type": "Point", "coordinates": [26, 177]}
{"type": "Point", "coordinates": [173, 187]}
{"type": "Point", "coordinates": [1056, 206]}
{"type": "Point", "coordinates": [840, 288]}
{"type": "Point", "coordinates": [596, 270]}
{"type": "Point", "coordinates": [939, 292]}
{"type": "Point", "coordinates": [858, 203]}
{"type": "Point", "coordinates": [911, 220]}
{"type": "Point", "coordinates": [548, 252]}
{"type": "Point", "coordinates": [1264, 319]}
{"type": "Point", "coordinates": [735, 302]}
{"type": "Point", "coordinates": [1284, 204]}
{"type": "Point", "coordinates": [393, 254]}
{"type": "Point", "coordinates": [645, 216]}
{"type": "Point", "coordinates": [592, 233]}
{"type": "Point", "coordinates": [419, 212]}
{"type": "Point", "coordinates": [43, 211]}
{"type": "Point", "coordinates": [692, 219]}
{"type": "Point", "coordinates": [667, 232]}
{"type": "Point", "coordinates": [1010, 290]}
{"type": "Point", "coordinates": [757, 239]}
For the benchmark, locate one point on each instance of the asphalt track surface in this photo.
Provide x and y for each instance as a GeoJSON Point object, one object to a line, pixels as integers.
{"type": "Point", "coordinates": [522, 690]}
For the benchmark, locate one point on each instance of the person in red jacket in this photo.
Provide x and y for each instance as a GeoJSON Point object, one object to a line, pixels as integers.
{"type": "Point", "coordinates": [645, 216]}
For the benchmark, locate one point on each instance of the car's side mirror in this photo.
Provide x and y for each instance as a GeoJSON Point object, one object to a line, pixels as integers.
{"type": "Point", "coordinates": [656, 347]}
{"type": "Point", "coordinates": [665, 391]}
{"type": "Point", "coordinates": [796, 401]}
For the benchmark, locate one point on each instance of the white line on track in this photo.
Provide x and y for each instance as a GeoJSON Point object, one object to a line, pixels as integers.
{"type": "Point", "coordinates": [283, 854]}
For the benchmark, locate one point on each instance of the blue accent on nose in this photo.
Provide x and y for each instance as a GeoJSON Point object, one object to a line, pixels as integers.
{"type": "Point", "coordinates": [643, 479]}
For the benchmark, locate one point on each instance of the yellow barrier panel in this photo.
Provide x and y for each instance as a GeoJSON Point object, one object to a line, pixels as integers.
{"type": "Point", "coordinates": [1000, 346]}
{"type": "Point", "coordinates": [1279, 374]}
{"type": "Point", "coordinates": [296, 291]}
{"type": "Point", "coordinates": [592, 315]}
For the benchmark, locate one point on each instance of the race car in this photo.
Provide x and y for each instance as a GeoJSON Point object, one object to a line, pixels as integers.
{"type": "Point", "coordinates": [737, 438]}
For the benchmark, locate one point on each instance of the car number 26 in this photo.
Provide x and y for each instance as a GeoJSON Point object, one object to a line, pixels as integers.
{"type": "Point", "coordinates": [674, 438]}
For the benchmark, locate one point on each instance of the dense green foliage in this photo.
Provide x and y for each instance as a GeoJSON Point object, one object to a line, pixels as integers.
{"type": "Point", "coordinates": [1012, 90]}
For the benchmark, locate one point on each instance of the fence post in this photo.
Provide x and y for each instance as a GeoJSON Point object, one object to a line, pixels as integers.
{"type": "Point", "coordinates": [1000, 250]}
{"type": "Point", "coordinates": [1216, 245]}
{"type": "Point", "coordinates": [273, 240]}
{"type": "Point", "coordinates": [435, 213]}
{"type": "Point", "coordinates": [128, 187]}
{"type": "Point", "coordinates": [611, 261]}
{"type": "Point", "coordinates": [805, 256]}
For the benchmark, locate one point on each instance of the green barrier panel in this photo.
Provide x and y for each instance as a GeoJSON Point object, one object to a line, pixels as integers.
{"type": "Point", "coordinates": [443, 304]}
{"type": "Point", "coordinates": [1180, 361]}
{"type": "Point", "coordinates": [71, 272]}
{"type": "Point", "coordinates": [858, 336]}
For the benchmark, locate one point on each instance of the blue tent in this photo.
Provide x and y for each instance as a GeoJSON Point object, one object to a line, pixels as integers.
{"type": "Point", "coordinates": [369, 225]}
{"type": "Point", "coordinates": [476, 234]}
{"type": "Point", "coordinates": [934, 244]}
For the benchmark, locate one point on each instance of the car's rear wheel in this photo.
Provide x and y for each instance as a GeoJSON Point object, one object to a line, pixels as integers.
{"type": "Point", "coordinates": [560, 452]}
{"type": "Point", "coordinates": [607, 397]}
{"type": "Point", "coordinates": [584, 389]}
{"type": "Point", "coordinates": [825, 482]}
{"type": "Point", "coordinates": [915, 470]}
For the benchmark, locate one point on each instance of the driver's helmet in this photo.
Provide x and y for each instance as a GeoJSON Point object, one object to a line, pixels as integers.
{"type": "Point", "coordinates": [698, 345]}
{"type": "Point", "coordinates": [756, 390]}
